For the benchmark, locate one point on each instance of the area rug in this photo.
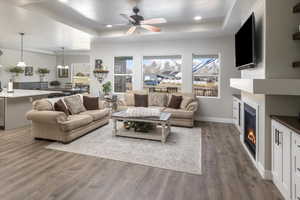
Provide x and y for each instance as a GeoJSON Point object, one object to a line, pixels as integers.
{"type": "Point", "coordinates": [181, 152]}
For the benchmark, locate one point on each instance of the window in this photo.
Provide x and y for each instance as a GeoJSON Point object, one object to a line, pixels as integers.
{"type": "Point", "coordinates": [123, 74]}
{"type": "Point", "coordinates": [162, 73]}
{"type": "Point", "coordinates": [206, 75]}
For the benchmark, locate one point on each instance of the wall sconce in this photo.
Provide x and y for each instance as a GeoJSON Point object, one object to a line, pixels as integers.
{"type": "Point", "coordinates": [99, 72]}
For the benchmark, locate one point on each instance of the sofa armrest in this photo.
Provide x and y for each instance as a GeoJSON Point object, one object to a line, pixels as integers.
{"type": "Point", "coordinates": [103, 104]}
{"type": "Point", "coordinates": [193, 106]}
{"type": "Point", "coordinates": [49, 117]}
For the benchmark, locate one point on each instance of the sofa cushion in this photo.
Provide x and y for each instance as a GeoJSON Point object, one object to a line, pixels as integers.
{"type": "Point", "coordinates": [140, 100]}
{"type": "Point", "coordinates": [96, 114]}
{"type": "Point", "coordinates": [91, 103]}
{"type": "Point", "coordinates": [42, 105]}
{"type": "Point", "coordinates": [157, 107]}
{"type": "Point", "coordinates": [157, 99]}
{"type": "Point", "coordinates": [61, 107]}
{"type": "Point", "coordinates": [175, 102]}
{"type": "Point", "coordinates": [178, 113]}
{"type": "Point", "coordinates": [75, 104]}
{"type": "Point", "coordinates": [129, 99]}
{"type": "Point", "coordinates": [76, 121]}
{"type": "Point", "coordinates": [185, 102]}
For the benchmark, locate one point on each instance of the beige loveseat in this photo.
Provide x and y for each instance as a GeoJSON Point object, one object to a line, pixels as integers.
{"type": "Point", "coordinates": [54, 125]}
{"type": "Point", "coordinates": [180, 117]}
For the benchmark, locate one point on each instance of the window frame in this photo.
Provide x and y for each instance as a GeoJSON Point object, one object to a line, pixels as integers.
{"type": "Point", "coordinates": [114, 75]}
{"type": "Point", "coordinates": [219, 75]}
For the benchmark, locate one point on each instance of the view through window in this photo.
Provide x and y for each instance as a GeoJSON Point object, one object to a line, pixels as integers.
{"type": "Point", "coordinates": [162, 73]}
{"type": "Point", "coordinates": [123, 74]}
{"type": "Point", "coordinates": [206, 73]}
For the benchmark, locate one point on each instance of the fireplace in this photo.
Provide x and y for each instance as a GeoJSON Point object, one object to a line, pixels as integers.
{"type": "Point", "coordinates": [250, 129]}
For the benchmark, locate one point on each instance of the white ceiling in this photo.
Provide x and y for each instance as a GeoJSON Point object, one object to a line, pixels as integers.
{"type": "Point", "coordinates": [50, 24]}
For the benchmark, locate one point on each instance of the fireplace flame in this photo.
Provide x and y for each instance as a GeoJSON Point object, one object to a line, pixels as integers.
{"type": "Point", "coordinates": [251, 136]}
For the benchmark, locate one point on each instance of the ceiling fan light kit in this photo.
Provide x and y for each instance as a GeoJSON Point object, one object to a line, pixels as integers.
{"type": "Point", "coordinates": [137, 20]}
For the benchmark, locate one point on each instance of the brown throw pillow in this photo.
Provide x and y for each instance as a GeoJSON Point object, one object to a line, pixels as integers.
{"type": "Point", "coordinates": [140, 100]}
{"type": "Point", "coordinates": [91, 103]}
{"type": "Point", "coordinates": [61, 107]}
{"type": "Point", "coordinates": [175, 102]}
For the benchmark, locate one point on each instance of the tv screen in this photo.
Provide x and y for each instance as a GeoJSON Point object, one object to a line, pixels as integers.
{"type": "Point", "coordinates": [245, 44]}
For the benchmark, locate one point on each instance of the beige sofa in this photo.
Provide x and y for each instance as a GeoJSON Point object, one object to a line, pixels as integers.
{"type": "Point", "coordinates": [180, 117]}
{"type": "Point", "coordinates": [54, 125]}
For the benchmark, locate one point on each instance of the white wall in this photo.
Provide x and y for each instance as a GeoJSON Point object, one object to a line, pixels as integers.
{"type": "Point", "coordinates": [69, 60]}
{"type": "Point", "coordinates": [210, 108]}
{"type": "Point", "coordinates": [282, 50]}
{"type": "Point", "coordinates": [37, 60]}
{"type": "Point", "coordinates": [275, 24]}
{"type": "Point", "coordinates": [259, 71]}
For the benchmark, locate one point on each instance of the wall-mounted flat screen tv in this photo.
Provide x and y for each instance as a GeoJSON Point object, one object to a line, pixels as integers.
{"type": "Point", "coordinates": [245, 45]}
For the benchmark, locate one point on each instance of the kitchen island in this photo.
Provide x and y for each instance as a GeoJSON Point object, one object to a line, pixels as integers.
{"type": "Point", "coordinates": [14, 106]}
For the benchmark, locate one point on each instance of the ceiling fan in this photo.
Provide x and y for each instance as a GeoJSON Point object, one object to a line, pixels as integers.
{"type": "Point", "coordinates": [137, 20]}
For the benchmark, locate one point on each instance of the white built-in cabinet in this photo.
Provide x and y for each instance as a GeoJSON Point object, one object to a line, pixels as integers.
{"type": "Point", "coordinates": [286, 160]}
{"type": "Point", "coordinates": [296, 167]}
{"type": "Point", "coordinates": [237, 113]}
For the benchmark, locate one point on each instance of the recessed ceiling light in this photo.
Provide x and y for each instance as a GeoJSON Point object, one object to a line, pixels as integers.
{"type": "Point", "coordinates": [197, 18]}
{"type": "Point", "coordinates": [108, 26]}
{"type": "Point", "coordinates": [64, 1]}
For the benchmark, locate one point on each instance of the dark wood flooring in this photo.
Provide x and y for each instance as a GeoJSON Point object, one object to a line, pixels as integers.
{"type": "Point", "coordinates": [28, 171]}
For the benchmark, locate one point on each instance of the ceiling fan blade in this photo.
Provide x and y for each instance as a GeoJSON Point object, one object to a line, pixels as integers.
{"type": "Point", "coordinates": [151, 28]}
{"type": "Point", "coordinates": [154, 21]}
{"type": "Point", "coordinates": [131, 30]}
{"type": "Point", "coordinates": [128, 18]}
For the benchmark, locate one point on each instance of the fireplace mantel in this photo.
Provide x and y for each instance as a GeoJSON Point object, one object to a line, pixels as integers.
{"type": "Point", "coordinates": [267, 86]}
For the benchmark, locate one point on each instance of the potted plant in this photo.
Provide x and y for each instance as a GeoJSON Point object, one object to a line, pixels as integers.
{"type": "Point", "coordinates": [55, 84]}
{"type": "Point", "coordinates": [43, 72]}
{"type": "Point", "coordinates": [106, 88]}
{"type": "Point", "coordinates": [16, 71]}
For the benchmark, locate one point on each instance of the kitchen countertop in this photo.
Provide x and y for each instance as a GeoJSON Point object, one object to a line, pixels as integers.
{"type": "Point", "coordinates": [292, 123]}
{"type": "Point", "coordinates": [238, 96]}
{"type": "Point", "coordinates": [24, 93]}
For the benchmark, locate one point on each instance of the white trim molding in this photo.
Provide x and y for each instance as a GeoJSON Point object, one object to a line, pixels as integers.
{"type": "Point", "coordinates": [266, 174]}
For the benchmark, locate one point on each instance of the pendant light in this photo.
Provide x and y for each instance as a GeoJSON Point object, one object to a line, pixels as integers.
{"type": "Point", "coordinates": [21, 63]}
{"type": "Point", "coordinates": [63, 66]}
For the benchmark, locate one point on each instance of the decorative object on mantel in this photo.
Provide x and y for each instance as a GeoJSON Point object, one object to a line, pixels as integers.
{"type": "Point", "coordinates": [28, 71]}
{"type": "Point", "coordinates": [296, 64]}
{"type": "Point", "coordinates": [99, 72]}
{"type": "Point", "coordinates": [43, 72]}
{"type": "Point", "coordinates": [296, 8]}
{"type": "Point", "coordinates": [296, 36]}
{"type": "Point", "coordinates": [21, 63]}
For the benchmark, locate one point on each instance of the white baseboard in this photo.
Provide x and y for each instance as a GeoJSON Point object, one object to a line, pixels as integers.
{"type": "Point", "coordinates": [215, 119]}
{"type": "Point", "coordinates": [266, 174]}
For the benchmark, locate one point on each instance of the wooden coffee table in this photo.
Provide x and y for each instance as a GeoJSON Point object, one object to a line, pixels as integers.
{"type": "Point", "coordinates": [160, 132]}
